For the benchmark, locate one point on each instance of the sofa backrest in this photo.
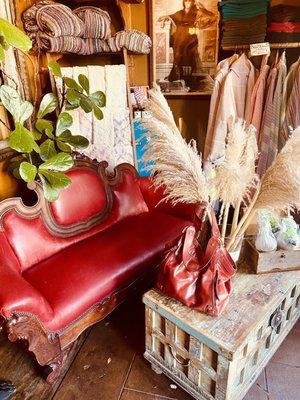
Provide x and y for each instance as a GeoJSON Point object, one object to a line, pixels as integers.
{"type": "Point", "coordinates": [92, 203]}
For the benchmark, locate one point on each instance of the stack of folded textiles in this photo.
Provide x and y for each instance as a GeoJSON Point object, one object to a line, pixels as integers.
{"type": "Point", "coordinates": [55, 28]}
{"type": "Point", "coordinates": [284, 24]}
{"type": "Point", "coordinates": [243, 21]}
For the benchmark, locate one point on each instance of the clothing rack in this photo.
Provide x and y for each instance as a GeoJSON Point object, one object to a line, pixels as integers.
{"type": "Point", "coordinates": [272, 46]}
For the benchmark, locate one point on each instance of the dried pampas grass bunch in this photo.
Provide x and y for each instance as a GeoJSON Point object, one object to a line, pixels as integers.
{"type": "Point", "coordinates": [280, 187]}
{"type": "Point", "coordinates": [175, 164]}
{"type": "Point", "coordinates": [235, 178]}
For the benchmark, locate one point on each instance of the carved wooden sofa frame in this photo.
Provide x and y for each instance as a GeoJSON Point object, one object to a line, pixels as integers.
{"type": "Point", "coordinates": [51, 348]}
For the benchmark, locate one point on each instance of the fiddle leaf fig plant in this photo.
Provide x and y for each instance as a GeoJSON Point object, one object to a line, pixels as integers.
{"type": "Point", "coordinates": [45, 151]}
{"type": "Point", "coordinates": [45, 145]}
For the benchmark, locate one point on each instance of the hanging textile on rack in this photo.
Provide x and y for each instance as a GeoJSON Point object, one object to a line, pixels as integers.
{"type": "Point", "coordinates": [221, 72]}
{"type": "Point", "coordinates": [292, 111]}
{"type": "Point", "coordinates": [110, 138]}
{"type": "Point", "coordinates": [270, 103]}
{"type": "Point", "coordinates": [258, 97]}
{"type": "Point", "coordinates": [236, 90]}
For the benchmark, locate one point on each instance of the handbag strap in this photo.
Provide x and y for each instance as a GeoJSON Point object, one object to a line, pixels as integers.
{"type": "Point", "coordinates": [189, 249]}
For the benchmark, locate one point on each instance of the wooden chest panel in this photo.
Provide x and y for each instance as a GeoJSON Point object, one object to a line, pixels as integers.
{"type": "Point", "coordinates": [219, 358]}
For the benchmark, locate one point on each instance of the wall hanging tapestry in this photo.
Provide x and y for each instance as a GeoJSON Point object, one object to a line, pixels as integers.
{"type": "Point", "coordinates": [185, 36]}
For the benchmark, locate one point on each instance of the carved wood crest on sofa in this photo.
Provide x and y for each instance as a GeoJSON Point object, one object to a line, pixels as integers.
{"type": "Point", "coordinates": [66, 265]}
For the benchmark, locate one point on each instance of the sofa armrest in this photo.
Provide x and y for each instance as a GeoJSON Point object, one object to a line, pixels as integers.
{"type": "Point", "coordinates": [17, 295]}
{"type": "Point", "coordinates": [153, 196]}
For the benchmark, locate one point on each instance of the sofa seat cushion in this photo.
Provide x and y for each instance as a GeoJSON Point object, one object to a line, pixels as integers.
{"type": "Point", "coordinates": [76, 278]}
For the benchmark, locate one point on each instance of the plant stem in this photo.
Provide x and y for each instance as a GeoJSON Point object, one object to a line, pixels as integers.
{"type": "Point", "coordinates": [235, 219]}
{"type": "Point", "coordinates": [243, 220]}
{"type": "Point", "coordinates": [242, 230]}
{"type": "Point", "coordinates": [225, 220]}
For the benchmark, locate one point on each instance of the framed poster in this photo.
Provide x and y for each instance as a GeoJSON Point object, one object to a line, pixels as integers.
{"type": "Point", "coordinates": [185, 45]}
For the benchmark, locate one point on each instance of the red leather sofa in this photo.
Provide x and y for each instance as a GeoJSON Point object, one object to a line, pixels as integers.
{"type": "Point", "coordinates": [66, 265]}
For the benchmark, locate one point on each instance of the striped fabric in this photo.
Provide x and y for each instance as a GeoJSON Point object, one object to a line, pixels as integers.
{"type": "Point", "coordinates": [59, 20]}
{"type": "Point", "coordinates": [292, 113]}
{"type": "Point", "coordinates": [267, 123]}
{"type": "Point", "coordinates": [29, 16]}
{"type": "Point", "coordinates": [133, 40]}
{"type": "Point", "coordinates": [54, 27]}
{"type": "Point", "coordinates": [62, 44]}
{"type": "Point", "coordinates": [277, 108]}
{"type": "Point", "coordinates": [96, 22]}
{"type": "Point", "coordinates": [258, 99]}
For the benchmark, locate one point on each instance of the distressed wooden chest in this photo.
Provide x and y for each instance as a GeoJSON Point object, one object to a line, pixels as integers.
{"type": "Point", "coordinates": [220, 358]}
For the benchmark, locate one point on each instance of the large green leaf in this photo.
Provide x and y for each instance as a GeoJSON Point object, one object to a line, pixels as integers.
{"type": "Point", "coordinates": [86, 104]}
{"type": "Point", "coordinates": [76, 141]}
{"type": "Point", "coordinates": [45, 126]}
{"type": "Point", "coordinates": [25, 112]}
{"type": "Point", "coordinates": [55, 68]}
{"type": "Point", "coordinates": [59, 162]}
{"type": "Point", "coordinates": [51, 194]}
{"type": "Point", "coordinates": [14, 36]}
{"type": "Point", "coordinates": [98, 113]}
{"type": "Point", "coordinates": [48, 105]}
{"type": "Point", "coordinates": [47, 150]}
{"type": "Point", "coordinates": [19, 109]}
{"type": "Point", "coordinates": [11, 100]}
{"type": "Point", "coordinates": [98, 99]}
{"type": "Point", "coordinates": [72, 84]}
{"type": "Point", "coordinates": [36, 134]}
{"type": "Point", "coordinates": [63, 146]}
{"type": "Point", "coordinates": [57, 180]}
{"type": "Point", "coordinates": [72, 106]}
{"type": "Point", "coordinates": [28, 171]}
{"type": "Point", "coordinates": [84, 82]}
{"type": "Point", "coordinates": [73, 97]}
{"type": "Point", "coordinates": [64, 122]}
{"type": "Point", "coordinates": [21, 140]}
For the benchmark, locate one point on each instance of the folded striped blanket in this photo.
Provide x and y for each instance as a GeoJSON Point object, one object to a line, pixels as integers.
{"type": "Point", "coordinates": [96, 22]}
{"type": "Point", "coordinates": [29, 16]}
{"type": "Point", "coordinates": [59, 20]}
{"type": "Point", "coordinates": [62, 44]}
{"type": "Point", "coordinates": [134, 41]}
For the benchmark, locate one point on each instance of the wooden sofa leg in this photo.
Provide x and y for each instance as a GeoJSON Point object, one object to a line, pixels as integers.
{"type": "Point", "coordinates": [45, 346]}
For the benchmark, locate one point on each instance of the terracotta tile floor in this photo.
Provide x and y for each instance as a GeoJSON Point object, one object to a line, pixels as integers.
{"type": "Point", "coordinates": [108, 365]}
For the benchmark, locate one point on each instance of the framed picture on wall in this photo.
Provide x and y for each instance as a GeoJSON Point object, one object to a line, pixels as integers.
{"type": "Point", "coordinates": [185, 38]}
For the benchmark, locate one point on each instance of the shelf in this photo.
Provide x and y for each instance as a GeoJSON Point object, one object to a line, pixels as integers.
{"type": "Point", "coordinates": [293, 45]}
{"type": "Point", "coordinates": [6, 154]}
{"type": "Point", "coordinates": [187, 94]}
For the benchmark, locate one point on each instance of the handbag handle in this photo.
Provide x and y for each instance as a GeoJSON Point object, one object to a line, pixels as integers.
{"type": "Point", "coordinates": [201, 212]}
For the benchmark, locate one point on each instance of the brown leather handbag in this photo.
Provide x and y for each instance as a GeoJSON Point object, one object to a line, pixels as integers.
{"type": "Point", "coordinates": [197, 269]}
